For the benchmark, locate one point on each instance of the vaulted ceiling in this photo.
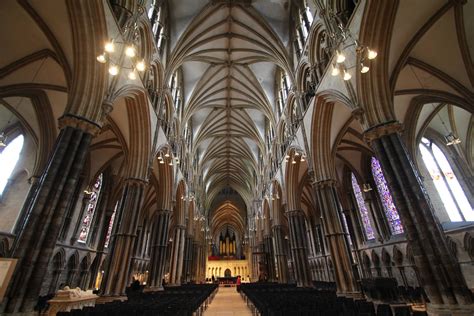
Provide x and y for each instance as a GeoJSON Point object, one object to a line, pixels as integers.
{"type": "Point", "coordinates": [228, 54]}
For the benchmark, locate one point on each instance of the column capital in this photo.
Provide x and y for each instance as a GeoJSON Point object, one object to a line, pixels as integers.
{"type": "Point", "coordinates": [324, 184]}
{"type": "Point", "coordinates": [74, 121]}
{"type": "Point", "coordinates": [33, 179]}
{"type": "Point", "coordinates": [380, 130]}
{"type": "Point", "coordinates": [138, 181]}
{"type": "Point", "coordinates": [294, 212]}
{"type": "Point", "coordinates": [358, 114]}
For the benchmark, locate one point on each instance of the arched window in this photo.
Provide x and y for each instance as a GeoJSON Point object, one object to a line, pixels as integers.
{"type": "Point", "coordinates": [391, 212]}
{"type": "Point", "coordinates": [8, 159]}
{"type": "Point", "coordinates": [306, 20]}
{"type": "Point", "coordinates": [176, 89]}
{"type": "Point", "coordinates": [156, 16]}
{"type": "Point", "coordinates": [454, 199]}
{"type": "Point", "coordinates": [345, 227]}
{"type": "Point", "coordinates": [284, 90]}
{"type": "Point", "coordinates": [111, 225]}
{"type": "Point", "coordinates": [90, 209]}
{"type": "Point", "coordinates": [364, 213]}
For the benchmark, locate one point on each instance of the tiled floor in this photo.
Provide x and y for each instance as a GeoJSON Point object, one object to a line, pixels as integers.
{"type": "Point", "coordinates": [227, 302]}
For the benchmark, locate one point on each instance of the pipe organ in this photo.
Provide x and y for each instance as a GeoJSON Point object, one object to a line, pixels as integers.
{"type": "Point", "coordinates": [227, 244]}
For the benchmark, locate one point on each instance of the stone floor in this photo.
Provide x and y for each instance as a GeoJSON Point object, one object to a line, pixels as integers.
{"type": "Point", "coordinates": [228, 302]}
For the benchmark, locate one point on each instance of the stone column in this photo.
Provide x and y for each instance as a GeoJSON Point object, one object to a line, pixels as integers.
{"type": "Point", "coordinates": [116, 277]}
{"type": "Point", "coordinates": [188, 257]}
{"type": "Point", "coordinates": [270, 256]}
{"type": "Point", "coordinates": [195, 264]}
{"type": "Point", "coordinates": [439, 271]}
{"type": "Point", "coordinates": [298, 244]}
{"type": "Point", "coordinates": [109, 206]}
{"type": "Point", "coordinates": [338, 244]}
{"type": "Point", "coordinates": [189, 274]}
{"type": "Point", "coordinates": [158, 251]}
{"type": "Point", "coordinates": [177, 255]}
{"type": "Point", "coordinates": [45, 215]}
{"type": "Point", "coordinates": [280, 255]}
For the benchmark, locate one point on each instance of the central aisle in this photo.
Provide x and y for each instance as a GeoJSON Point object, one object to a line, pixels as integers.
{"type": "Point", "coordinates": [227, 302]}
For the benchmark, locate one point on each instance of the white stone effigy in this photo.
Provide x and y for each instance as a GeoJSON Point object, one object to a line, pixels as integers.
{"type": "Point", "coordinates": [68, 299]}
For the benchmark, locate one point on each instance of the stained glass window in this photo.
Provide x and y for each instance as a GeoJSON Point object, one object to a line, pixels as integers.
{"type": "Point", "coordinates": [454, 199]}
{"type": "Point", "coordinates": [90, 209]}
{"type": "Point", "coordinates": [8, 159]}
{"type": "Point", "coordinates": [391, 212]}
{"type": "Point", "coordinates": [364, 213]}
{"type": "Point", "coordinates": [111, 225]}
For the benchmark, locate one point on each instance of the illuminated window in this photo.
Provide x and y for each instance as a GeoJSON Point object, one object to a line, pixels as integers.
{"type": "Point", "coordinates": [391, 212]}
{"type": "Point", "coordinates": [454, 199]}
{"type": "Point", "coordinates": [364, 213]}
{"type": "Point", "coordinates": [111, 225]}
{"type": "Point", "coordinates": [345, 227]}
{"type": "Point", "coordinates": [8, 159]}
{"type": "Point", "coordinates": [90, 210]}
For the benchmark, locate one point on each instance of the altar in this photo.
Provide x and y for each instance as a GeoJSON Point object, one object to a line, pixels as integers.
{"type": "Point", "coordinates": [227, 270]}
{"type": "Point", "coordinates": [227, 280]}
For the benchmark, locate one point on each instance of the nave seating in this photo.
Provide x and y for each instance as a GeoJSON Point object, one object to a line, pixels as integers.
{"type": "Point", "coordinates": [282, 299]}
{"type": "Point", "coordinates": [387, 290]}
{"type": "Point", "coordinates": [185, 300]}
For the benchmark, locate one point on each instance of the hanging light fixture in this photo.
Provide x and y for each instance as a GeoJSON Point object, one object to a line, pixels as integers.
{"type": "Point", "coordinates": [335, 71]}
{"type": "Point", "coordinates": [347, 76]}
{"type": "Point", "coordinates": [303, 158]}
{"type": "Point", "coordinates": [340, 58]}
{"type": "Point", "coordinates": [364, 68]}
{"type": "Point", "coordinates": [371, 54]}
{"type": "Point", "coordinates": [132, 75]}
{"type": "Point", "coordinates": [141, 65]}
{"type": "Point", "coordinates": [121, 52]}
{"type": "Point", "coordinates": [113, 70]}
{"type": "Point", "coordinates": [452, 139]}
{"type": "Point", "coordinates": [293, 162]}
{"type": "Point", "coordinates": [102, 58]}
{"type": "Point", "coordinates": [366, 187]}
{"type": "Point", "coordinates": [109, 47]}
{"type": "Point", "coordinates": [167, 154]}
{"type": "Point", "coordinates": [130, 51]}
{"type": "Point", "coordinates": [3, 140]}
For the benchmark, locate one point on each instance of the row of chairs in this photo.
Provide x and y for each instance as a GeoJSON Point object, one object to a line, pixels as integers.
{"type": "Point", "coordinates": [280, 299]}
{"type": "Point", "coordinates": [186, 300]}
{"type": "Point", "coordinates": [387, 290]}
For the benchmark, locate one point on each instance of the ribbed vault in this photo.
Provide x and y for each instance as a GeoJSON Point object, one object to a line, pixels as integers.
{"type": "Point", "coordinates": [228, 55]}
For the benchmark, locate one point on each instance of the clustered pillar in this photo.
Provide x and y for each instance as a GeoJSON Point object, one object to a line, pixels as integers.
{"type": "Point", "coordinates": [335, 236]}
{"type": "Point", "coordinates": [439, 271]}
{"type": "Point", "coordinates": [159, 247]}
{"type": "Point", "coordinates": [269, 254]}
{"type": "Point", "coordinates": [298, 244]}
{"type": "Point", "coordinates": [280, 255]}
{"type": "Point", "coordinates": [177, 255]}
{"type": "Point", "coordinates": [116, 276]}
{"type": "Point", "coordinates": [45, 214]}
{"type": "Point", "coordinates": [188, 257]}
